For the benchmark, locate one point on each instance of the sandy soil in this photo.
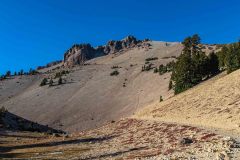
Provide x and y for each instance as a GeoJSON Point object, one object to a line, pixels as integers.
{"type": "Point", "coordinates": [125, 139]}
{"type": "Point", "coordinates": [213, 104]}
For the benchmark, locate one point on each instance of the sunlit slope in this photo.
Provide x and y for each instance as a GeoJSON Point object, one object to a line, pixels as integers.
{"type": "Point", "coordinates": [91, 97]}
{"type": "Point", "coordinates": [214, 103]}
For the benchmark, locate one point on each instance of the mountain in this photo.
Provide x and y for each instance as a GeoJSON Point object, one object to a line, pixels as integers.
{"type": "Point", "coordinates": [79, 53]}
{"type": "Point", "coordinates": [91, 97]}
{"type": "Point", "coordinates": [199, 123]}
{"type": "Point", "coordinates": [108, 98]}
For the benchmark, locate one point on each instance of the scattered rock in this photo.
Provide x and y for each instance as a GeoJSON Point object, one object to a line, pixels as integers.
{"type": "Point", "coordinates": [66, 136]}
{"type": "Point", "coordinates": [56, 135]}
{"type": "Point", "coordinates": [186, 141]}
{"type": "Point", "coordinates": [112, 121]}
{"type": "Point", "coordinates": [222, 156]}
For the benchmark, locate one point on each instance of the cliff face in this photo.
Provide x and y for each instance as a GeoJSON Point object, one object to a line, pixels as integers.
{"type": "Point", "coordinates": [79, 53]}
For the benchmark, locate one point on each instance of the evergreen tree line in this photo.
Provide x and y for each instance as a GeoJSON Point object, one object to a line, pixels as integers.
{"type": "Point", "coordinates": [20, 73]}
{"type": "Point", "coordinates": [164, 68]}
{"type": "Point", "coordinates": [229, 57]}
{"type": "Point", "coordinates": [192, 66]}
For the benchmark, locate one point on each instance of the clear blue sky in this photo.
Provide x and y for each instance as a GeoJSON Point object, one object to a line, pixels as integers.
{"type": "Point", "coordinates": [34, 32]}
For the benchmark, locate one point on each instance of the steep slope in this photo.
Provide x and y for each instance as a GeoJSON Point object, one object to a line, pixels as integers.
{"type": "Point", "coordinates": [213, 104]}
{"type": "Point", "coordinates": [79, 53]}
{"type": "Point", "coordinates": [12, 122]}
{"type": "Point", "coordinates": [91, 97]}
{"type": "Point", "coordinates": [15, 86]}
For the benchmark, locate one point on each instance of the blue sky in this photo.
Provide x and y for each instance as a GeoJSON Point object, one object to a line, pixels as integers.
{"type": "Point", "coordinates": [35, 32]}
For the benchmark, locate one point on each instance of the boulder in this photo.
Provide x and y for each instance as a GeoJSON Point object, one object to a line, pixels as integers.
{"type": "Point", "coordinates": [186, 141]}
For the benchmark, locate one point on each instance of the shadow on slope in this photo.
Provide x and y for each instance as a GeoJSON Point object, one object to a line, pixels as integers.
{"type": "Point", "coordinates": [13, 122]}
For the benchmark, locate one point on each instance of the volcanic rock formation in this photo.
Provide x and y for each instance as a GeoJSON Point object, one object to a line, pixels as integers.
{"type": "Point", "coordinates": [79, 53]}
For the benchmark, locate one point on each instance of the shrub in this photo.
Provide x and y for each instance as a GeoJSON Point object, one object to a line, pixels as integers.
{"type": "Point", "coordinates": [63, 72]}
{"type": "Point", "coordinates": [114, 67]}
{"type": "Point", "coordinates": [2, 77]}
{"type": "Point", "coordinates": [114, 73]}
{"type": "Point", "coordinates": [50, 82]}
{"type": "Point", "coordinates": [3, 110]}
{"type": "Point", "coordinates": [170, 85]}
{"type": "Point", "coordinates": [58, 75]}
{"type": "Point", "coordinates": [32, 72]}
{"type": "Point", "coordinates": [60, 81]}
{"type": "Point", "coordinates": [147, 67]}
{"type": "Point", "coordinates": [162, 69]}
{"type": "Point", "coordinates": [44, 82]}
{"type": "Point", "coordinates": [161, 99]}
{"type": "Point", "coordinates": [8, 74]}
{"type": "Point", "coordinates": [151, 59]}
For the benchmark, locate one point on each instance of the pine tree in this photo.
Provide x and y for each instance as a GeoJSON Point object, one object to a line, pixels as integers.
{"type": "Point", "coordinates": [44, 82]}
{"type": "Point", "coordinates": [50, 82]}
{"type": "Point", "coordinates": [222, 57]}
{"type": "Point", "coordinates": [170, 85]}
{"type": "Point", "coordinates": [182, 74]}
{"type": "Point", "coordinates": [232, 59]}
{"type": "Point", "coordinates": [191, 66]}
{"type": "Point", "coordinates": [161, 99]}
{"type": "Point", "coordinates": [60, 80]}
{"type": "Point", "coordinates": [8, 74]}
{"type": "Point", "coordinates": [21, 72]}
{"type": "Point", "coordinates": [213, 64]}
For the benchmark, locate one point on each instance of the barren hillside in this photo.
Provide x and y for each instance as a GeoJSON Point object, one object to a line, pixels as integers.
{"type": "Point", "coordinates": [213, 104]}
{"type": "Point", "coordinates": [91, 97]}
{"type": "Point", "coordinates": [196, 124]}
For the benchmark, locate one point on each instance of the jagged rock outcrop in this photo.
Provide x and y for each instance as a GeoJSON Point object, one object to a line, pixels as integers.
{"type": "Point", "coordinates": [78, 54]}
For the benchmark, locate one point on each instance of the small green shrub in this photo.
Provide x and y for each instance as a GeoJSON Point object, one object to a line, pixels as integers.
{"type": "Point", "coordinates": [155, 70]}
{"type": "Point", "coordinates": [3, 110]}
{"type": "Point", "coordinates": [114, 73]}
{"type": "Point", "coordinates": [50, 82]}
{"type": "Point", "coordinates": [60, 81]}
{"type": "Point", "coordinates": [151, 59]}
{"type": "Point", "coordinates": [170, 85]}
{"type": "Point", "coordinates": [161, 99]}
{"type": "Point", "coordinates": [114, 67]}
{"type": "Point", "coordinates": [44, 82]}
{"type": "Point", "coordinates": [147, 67]}
{"type": "Point", "coordinates": [57, 75]}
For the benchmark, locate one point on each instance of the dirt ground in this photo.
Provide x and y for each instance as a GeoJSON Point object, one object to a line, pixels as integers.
{"type": "Point", "coordinates": [125, 139]}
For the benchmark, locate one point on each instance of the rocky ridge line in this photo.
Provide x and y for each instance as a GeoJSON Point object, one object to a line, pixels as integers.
{"type": "Point", "coordinates": [79, 53]}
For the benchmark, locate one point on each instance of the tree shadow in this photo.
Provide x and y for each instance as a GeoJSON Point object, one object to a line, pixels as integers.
{"type": "Point", "coordinates": [18, 136]}
{"type": "Point", "coordinates": [113, 154]}
{"type": "Point", "coordinates": [51, 144]}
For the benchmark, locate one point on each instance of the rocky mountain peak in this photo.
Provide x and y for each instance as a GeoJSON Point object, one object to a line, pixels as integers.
{"type": "Point", "coordinates": [79, 53]}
